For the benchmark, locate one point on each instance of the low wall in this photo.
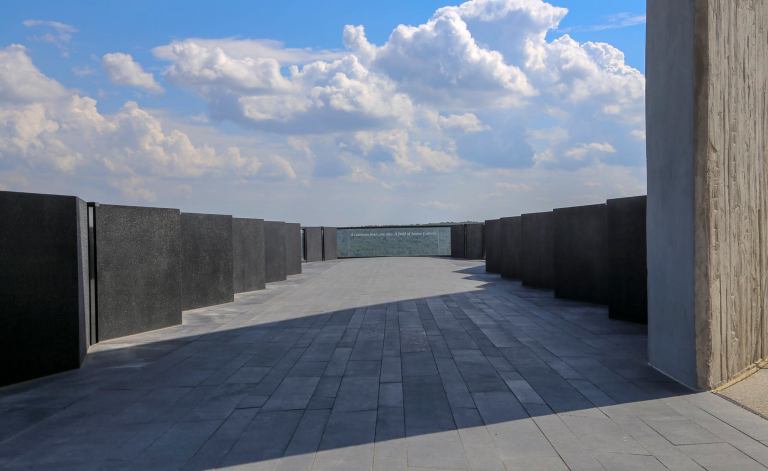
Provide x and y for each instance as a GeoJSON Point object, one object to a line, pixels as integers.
{"type": "Point", "coordinates": [43, 285]}
{"type": "Point", "coordinates": [581, 253]}
{"type": "Point", "coordinates": [330, 244]}
{"type": "Point", "coordinates": [206, 248]}
{"type": "Point", "coordinates": [274, 251]}
{"type": "Point", "coordinates": [137, 269]}
{"type": "Point", "coordinates": [248, 272]}
{"type": "Point", "coordinates": [313, 244]}
{"type": "Point", "coordinates": [627, 267]}
{"type": "Point", "coordinates": [493, 246]}
{"type": "Point", "coordinates": [293, 245]}
{"type": "Point", "coordinates": [537, 259]}
{"type": "Point", "coordinates": [511, 238]}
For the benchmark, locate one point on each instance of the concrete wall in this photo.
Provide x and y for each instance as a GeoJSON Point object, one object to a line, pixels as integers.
{"type": "Point", "coordinates": [511, 237]}
{"type": "Point", "coordinates": [493, 246]}
{"type": "Point", "coordinates": [581, 253]}
{"type": "Point", "coordinates": [293, 245]}
{"type": "Point", "coordinates": [707, 112]}
{"type": "Point", "coordinates": [43, 285]}
{"type": "Point", "coordinates": [274, 251]}
{"type": "Point", "coordinates": [475, 249]}
{"type": "Point", "coordinates": [458, 249]}
{"type": "Point", "coordinates": [137, 269]}
{"type": "Point", "coordinates": [313, 244]}
{"type": "Point", "coordinates": [537, 268]}
{"type": "Point", "coordinates": [627, 272]}
{"type": "Point", "coordinates": [206, 250]}
{"type": "Point", "coordinates": [330, 244]}
{"type": "Point", "coordinates": [248, 271]}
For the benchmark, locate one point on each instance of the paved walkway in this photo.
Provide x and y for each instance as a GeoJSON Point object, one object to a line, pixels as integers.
{"type": "Point", "coordinates": [384, 364]}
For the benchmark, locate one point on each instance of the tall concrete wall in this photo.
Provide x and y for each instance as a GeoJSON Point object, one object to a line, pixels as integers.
{"type": "Point", "coordinates": [537, 268]}
{"type": "Point", "coordinates": [474, 249]}
{"type": "Point", "coordinates": [293, 245]}
{"type": "Point", "coordinates": [330, 244]}
{"type": "Point", "coordinates": [707, 114]}
{"type": "Point", "coordinates": [313, 244]}
{"type": "Point", "coordinates": [137, 269]}
{"type": "Point", "coordinates": [493, 246]}
{"type": "Point", "coordinates": [43, 285]}
{"type": "Point", "coordinates": [511, 246]}
{"type": "Point", "coordinates": [581, 253]}
{"type": "Point", "coordinates": [458, 247]}
{"type": "Point", "coordinates": [248, 270]}
{"type": "Point", "coordinates": [274, 251]}
{"type": "Point", "coordinates": [206, 251]}
{"type": "Point", "coordinates": [627, 272]}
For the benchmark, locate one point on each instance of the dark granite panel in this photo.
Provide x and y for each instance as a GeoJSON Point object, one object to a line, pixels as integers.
{"type": "Point", "coordinates": [511, 236]}
{"type": "Point", "coordinates": [628, 273]}
{"type": "Point", "coordinates": [248, 254]}
{"type": "Point", "coordinates": [206, 251]}
{"type": "Point", "coordinates": [330, 243]}
{"type": "Point", "coordinates": [313, 244]}
{"type": "Point", "coordinates": [293, 245]}
{"type": "Point", "coordinates": [274, 251]}
{"type": "Point", "coordinates": [493, 246]}
{"type": "Point", "coordinates": [458, 242]}
{"type": "Point", "coordinates": [537, 258]}
{"type": "Point", "coordinates": [474, 249]}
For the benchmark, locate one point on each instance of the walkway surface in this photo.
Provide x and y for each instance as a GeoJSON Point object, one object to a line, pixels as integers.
{"type": "Point", "coordinates": [384, 364]}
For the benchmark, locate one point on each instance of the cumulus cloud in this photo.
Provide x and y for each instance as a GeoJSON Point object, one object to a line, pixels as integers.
{"type": "Point", "coordinates": [123, 70]}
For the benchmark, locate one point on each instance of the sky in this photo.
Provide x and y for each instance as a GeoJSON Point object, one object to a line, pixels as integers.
{"type": "Point", "coordinates": [325, 113]}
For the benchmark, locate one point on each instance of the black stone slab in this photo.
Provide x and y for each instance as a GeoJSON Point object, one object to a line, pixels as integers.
{"type": "Point", "coordinates": [581, 253]}
{"type": "Point", "coordinates": [474, 249]}
{"type": "Point", "coordinates": [248, 255]}
{"type": "Point", "coordinates": [44, 290]}
{"type": "Point", "coordinates": [458, 242]}
{"type": "Point", "coordinates": [628, 273]}
{"type": "Point", "coordinates": [313, 244]}
{"type": "Point", "coordinates": [511, 236]}
{"type": "Point", "coordinates": [274, 251]}
{"type": "Point", "coordinates": [137, 269]}
{"type": "Point", "coordinates": [330, 243]}
{"type": "Point", "coordinates": [493, 246]}
{"type": "Point", "coordinates": [537, 258]}
{"type": "Point", "coordinates": [293, 245]}
{"type": "Point", "coordinates": [206, 251]}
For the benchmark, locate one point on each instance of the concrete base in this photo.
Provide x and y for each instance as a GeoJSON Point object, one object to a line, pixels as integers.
{"type": "Point", "coordinates": [330, 244]}
{"type": "Point", "coordinates": [44, 314]}
{"type": "Point", "coordinates": [138, 269]}
{"type": "Point", "coordinates": [627, 272]}
{"type": "Point", "coordinates": [511, 237]}
{"type": "Point", "coordinates": [493, 246]}
{"type": "Point", "coordinates": [313, 244]}
{"type": "Point", "coordinates": [206, 248]}
{"type": "Point", "coordinates": [293, 244]}
{"type": "Point", "coordinates": [537, 260]}
{"type": "Point", "coordinates": [274, 251]}
{"type": "Point", "coordinates": [248, 255]}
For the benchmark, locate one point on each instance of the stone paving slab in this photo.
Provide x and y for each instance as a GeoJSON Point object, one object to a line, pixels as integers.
{"type": "Point", "coordinates": [385, 364]}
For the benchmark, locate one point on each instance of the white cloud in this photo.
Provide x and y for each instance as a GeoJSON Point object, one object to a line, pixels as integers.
{"type": "Point", "coordinates": [21, 81]}
{"type": "Point", "coordinates": [53, 32]}
{"type": "Point", "coordinates": [615, 21]}
{"type": "Point", "coordinates": [123, 70]}
{"type": "Point", "coordinates": [581, 151]}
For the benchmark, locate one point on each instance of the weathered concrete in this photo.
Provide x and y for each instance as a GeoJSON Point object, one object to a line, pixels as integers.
{"type": "Point", "coordinates": [137, 269]}
{"type": "Point", "coordinates": [707, 114]}
{"type": "Point", "coordinates": [537, 267]}
{"type": "Point", "coordinates": [493, 246]}
{"type": "Point", "coordinates": [511, 246]}
{"type": "Point", "coordinates": [330, 244]}
{"type": "Point", "coordinates": [627, 271]}
{"type": "Point", "coordinates": [44, 291]}
{"type": "Point", "coordinates": [248, 263]}
{"type": "Point", "coordinates": [474, 249]}
{"type": "Point", "coordinates": [206, 260]}
{"type": "Point", "coordinates": [581, 253]}
{"type": "Point", "coordinates": [293, 248]}
{"type": "Point", "coordinates": [274, 251]}
{"type": "Point", "coordinates": [458, 241]}
{"type": "Point", "coordinates": [313, 244]}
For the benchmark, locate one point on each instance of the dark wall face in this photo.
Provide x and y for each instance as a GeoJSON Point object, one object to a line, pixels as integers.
{"type": "Point", "coordinates": [537, 259]}
{"type": "Point", "coordinates": [511, 238]}
{"type": "Point", "coordinates": [43, 285]}
{"type": "Point", "coordinates": [274, 251]}
{"type": "Point", "coordinates": [248, 254]}
{"type": "Point", "coordinates": [581, 253]}
{"type": "Point", "coordinates": [330, 243]}
{"type": "Point", "coordinates": [474, 249]}
{"type": "Point", "coordinates": [493, 246]}
{"type": "Point", "coordinates": [457, 241]}
{"type": "Point", "coordinates": [138, 269]}
{"type": "Point", "coordinates": [313, 244]}
{"type": "Point", "coordinates": [628, 274]}
{"type": "Point", "coordinates": [206, 248]}
{"type": "Point", "coordinates": [293, 244]}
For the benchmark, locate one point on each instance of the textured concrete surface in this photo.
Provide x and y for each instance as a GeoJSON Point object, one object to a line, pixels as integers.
{"type": "Point", "coordinates": [537, 267]}
{"type": "Point", "coordinates": [206, 260]}
{"type": "Point", "coordinates": [581, 252]}
{"type": "Point", "coordinates": [138, 269]}
{"type": "Point", "coordinates": [474, 249]}
{"type": "Point", "coordinates": [248, 263]}
{"type": "Point", "coordinates": [43, 285]}
{"type": "Point", "coordinates": [386, 364]}
{"type": "Point", "coordinates": [458, 241]}
{"type": "Point", "coordinates": [751, 393]}
{"type": "Point", "coordinates": [511, 247]}
{"type": "Point", "coordinates": [493, 247]}
{"type": "Point", "coordinates": [330, 244]}
{"type": "Point", "coordinates": [313, 244]}
{"type": "Point", "coordinates": [627, 265]}
{"type": "Point", "coordinates": [274, 251]}
{"type": "Point", "coordinates": [293, 248]}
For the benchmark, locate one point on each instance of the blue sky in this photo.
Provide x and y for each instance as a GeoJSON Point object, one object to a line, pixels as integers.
{"type": "Point", "coordinates": [397, 139]}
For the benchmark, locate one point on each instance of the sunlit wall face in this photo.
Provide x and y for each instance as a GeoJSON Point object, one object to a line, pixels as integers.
{"type": "Point", "coordinates": [394, 242]}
